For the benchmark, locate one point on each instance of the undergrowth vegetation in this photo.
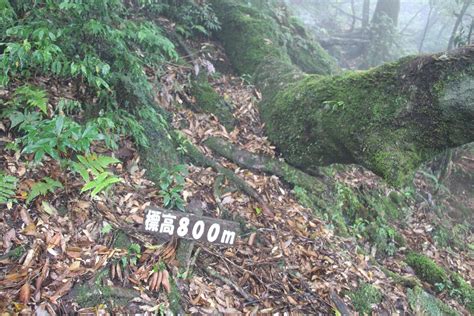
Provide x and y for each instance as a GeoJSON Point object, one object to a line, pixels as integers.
{"type": "Point", "coordinates": [90, 47]}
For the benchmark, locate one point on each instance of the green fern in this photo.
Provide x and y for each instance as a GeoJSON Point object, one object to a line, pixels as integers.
{"type": "Point", "coordinates": [33, 97]}
{"type": "Point", "coordinates": [95, 165]}
{"type": "Point", "coordinates": [7, 188]}
{"type": "Point", "coordinates": [47, 185]}
{"type": "Point", "coordinates": [102, 182]}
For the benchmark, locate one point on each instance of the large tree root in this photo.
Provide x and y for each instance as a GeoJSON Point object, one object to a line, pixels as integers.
{"type": "Point", "coordinates": [199, 158]}
{"type": "Point", "coordinates": [318, 187]}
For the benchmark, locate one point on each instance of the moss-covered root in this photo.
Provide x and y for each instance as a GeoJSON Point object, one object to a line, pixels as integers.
{"type": "Point", "coordinates": [209, 101]}
{"type": "Point", "coordinates": [423, 303]}
{"type": "Point", "coordinates": [155, 124]}
{"type": "Point", "coordinates": [427, 270]}
{"type": "Point", "coordinates": [199, 158]}
{"type": "Point", "coordinates": [313, 185]}
{"type": "Point", "coordinates": [96, 292]}
{"type": "Point", "coordinates": [389, 119]}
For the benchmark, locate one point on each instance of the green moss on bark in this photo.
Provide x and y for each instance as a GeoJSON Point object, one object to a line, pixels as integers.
{"type": "Point", "coordinates": [423, 303]}
{"type": "Point", "coordinates": [209, 101]}
{"type": "Point", "coordinates": [389, 119]}
{"type": "Point", "coordinates": [252, 37]}
{"type": "Point", "coordinates": [306, 53]}
{"type": "Point", "coordinates": [426, 269]}
{"type": "Point", "coordinates": [161, 150]}
{"type": "Point", "coordinates": [248, 36]}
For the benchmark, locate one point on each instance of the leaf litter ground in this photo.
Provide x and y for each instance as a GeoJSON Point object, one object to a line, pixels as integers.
{"type": "Point", "coordinates": [292, 262]}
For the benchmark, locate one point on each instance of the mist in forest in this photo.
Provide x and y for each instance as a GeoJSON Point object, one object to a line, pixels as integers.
{"type": "Point", "coordinates": [365, 33]}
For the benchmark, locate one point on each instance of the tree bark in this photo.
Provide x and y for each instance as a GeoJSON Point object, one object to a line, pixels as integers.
{"type": "Point", "coordinates": [389, 119]}
{"type": "Point", "coordinates": [464, 8]}
{"type": "Point", "coordinates": [386, 8]}
{"type": "Point", "coordinates": [382, 33]}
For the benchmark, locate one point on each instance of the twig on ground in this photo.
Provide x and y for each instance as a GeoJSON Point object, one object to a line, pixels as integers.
{"type": "Point", "coordinates": [227, 281]}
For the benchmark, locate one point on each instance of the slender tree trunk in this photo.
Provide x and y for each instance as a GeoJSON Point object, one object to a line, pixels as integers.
{"type": "Point", "coordinates": [354, 17]}
{"type": "Point", "coordinates": [471, 29]}
{"type": "Point", "coordinates": [427, 25]}
{"type": "Point", "coordinates": [464, 8]}
{"type": "Point", "coordinates": [366, 14]}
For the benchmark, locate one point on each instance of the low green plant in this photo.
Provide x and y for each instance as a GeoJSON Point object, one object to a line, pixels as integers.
{"type": "Point", "coordinates": [92, 169]}
{"type": "Point", "coordinates": [364, 297]}
{"type": "Point", "coordinates": [69, 107]}
{"type": "Point", "coordinates": [43, 187]}
{"type": "Point", "coordinates": [107, 228]}
{"type": "Point", "coordinates": [172, 185]}
{"type": "Point", "coordinates": [133, 254]}
{"type": "Point", "coordinates": [195, 19]}
{"type": "Point", "coordinates": [57, 136]}
{"type": "Point", "coordinates": [17, 252]}
{"type": "Point", "coordinates": [7, 188]}
{"type": "Point", "coordinates": [463, 291]}
{"type": "Point", "coordinates": [33, 97]}
{"type": "Point", "coordinates": [383, 236]}
{"type": "Point", "coordinates": [53, 39]}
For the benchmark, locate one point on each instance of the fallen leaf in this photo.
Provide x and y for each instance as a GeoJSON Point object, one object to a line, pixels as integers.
{"type": "Point", "coordinates": [165, 281]}
{"type": "Point", "coordinates": [25, 293]}
{"type": "Point", "coordinates": [7, 239]}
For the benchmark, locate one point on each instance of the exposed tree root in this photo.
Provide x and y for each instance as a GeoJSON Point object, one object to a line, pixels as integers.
{"type": "Point", "coordinates": [199, 158]}
{"type": "Point", "coordinates": [227, 281]}
{"type": "Point", "coordinates": [340, 305]}
{"type": "Point", "coordinates": [318, 187]}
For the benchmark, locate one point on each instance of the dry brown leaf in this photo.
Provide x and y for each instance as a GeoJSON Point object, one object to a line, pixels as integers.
{"type": "Point", "coordinates": [165, 281]}
{"type": "Point", "coordinates": [7, 239]}
{"type": "Point", "coordinates": [118, 269]}
{"type": "Point", "coordinates": [25, 217]}
{"type": "Point", "coordinates": [42, 276]}
{"type": "Point", "coordinates": [152, 281]}
{"type": "Point", "coordinates": [112, 272]}
{"type": "Point", "coordinates": [61, 291]}
{"type": "Point", "coordinates": [25, 293]}
{"type": "Point", "coordinates": [75, 266]}
{"type": "Point", "coordinates": [159, 281]}
{"type": "Point", "coordinates": [29, 230]}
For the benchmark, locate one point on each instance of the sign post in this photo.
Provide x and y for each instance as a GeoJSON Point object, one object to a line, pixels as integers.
{"type": "Point", "coordinates": [167, 223]}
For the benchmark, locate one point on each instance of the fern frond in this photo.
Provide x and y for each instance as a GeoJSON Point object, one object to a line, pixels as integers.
{"type": "Point", "coordinates": [95, 165]}
{"type": "Point", "coordinates": [47, 185]}
{"type": "Point", "coordinates": [32, 96]}
{"type": "Point", "coordinates": [7, 188]}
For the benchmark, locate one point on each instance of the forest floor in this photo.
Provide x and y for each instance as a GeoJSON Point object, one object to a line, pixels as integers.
{"type": "Point", "coordinates": [70, 252]}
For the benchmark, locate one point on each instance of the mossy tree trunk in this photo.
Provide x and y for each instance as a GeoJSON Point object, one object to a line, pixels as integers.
{"type": "Point", "coordinates": [389, 119]}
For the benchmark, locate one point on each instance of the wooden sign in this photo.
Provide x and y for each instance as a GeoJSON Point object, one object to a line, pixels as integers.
{"type": "Point", "coordinates": [167, 223]}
